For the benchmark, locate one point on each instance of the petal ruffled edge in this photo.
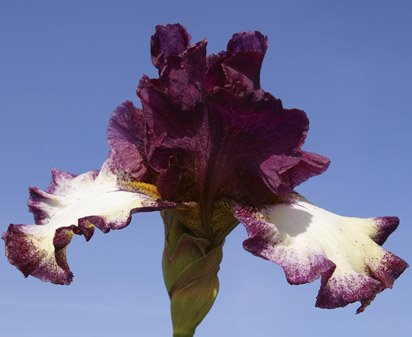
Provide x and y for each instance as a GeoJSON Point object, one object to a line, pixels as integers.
{"type": "Point", "coordinates": [239, 66]}
{"type": "Point", "coordinates": [74, 205]}
{"type": "Point", "coordinates": [126, 134]}
{"type": "Point", "coordinates": [309, 242]}
{"type": "Point", "coordinates": [282, 173]}
{"type": "Point", "coordinates": [168, 41]}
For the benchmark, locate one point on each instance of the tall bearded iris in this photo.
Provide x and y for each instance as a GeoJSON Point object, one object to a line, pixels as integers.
{"type": "Point", "coordinates": [210, 149]}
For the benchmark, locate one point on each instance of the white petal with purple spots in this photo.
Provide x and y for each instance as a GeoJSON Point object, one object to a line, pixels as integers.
{"type": "Point", "coordinates": [73, 205]}
{"type": "Point", "coordinates": [310, 242]}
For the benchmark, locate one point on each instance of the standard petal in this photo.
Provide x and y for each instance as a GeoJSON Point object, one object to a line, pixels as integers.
{"type": "Point", "coordinates": [74, 205]}
{"type": "Point", "coordinates": [259, 146]}
{"type": "Point", "coordinates": [126, 137]}
{"type": "Point", "coordinates": [246, 50]}
{"type": "Point", "coordinates": [211, 132]}
{"type": "Point", "coordinates": [176, 121]}
{"type": "Point", "coordinates": [239, 65]}
{"type": "Point", "coordinates": [283, 173]}
{"type": "Point", "coordinates": [167, 41]}
{"type": "Point", "coordinates": [309, 242]}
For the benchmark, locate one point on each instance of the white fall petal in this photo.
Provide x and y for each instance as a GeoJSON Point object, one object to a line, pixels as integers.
{"type": "Point", "coordinates": [310, 242]}
{"type": "Point", "coordinates": [73, 205]}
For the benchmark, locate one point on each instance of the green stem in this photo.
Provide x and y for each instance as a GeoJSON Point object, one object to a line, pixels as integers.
{"type": "Point", "coordinates": [190, 270]}
{"type": "Point", "coordinates": [183, 334]}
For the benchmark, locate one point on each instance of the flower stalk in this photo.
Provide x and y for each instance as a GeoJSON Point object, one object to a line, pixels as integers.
{"type": "Point", "coordinates": [190, 266]}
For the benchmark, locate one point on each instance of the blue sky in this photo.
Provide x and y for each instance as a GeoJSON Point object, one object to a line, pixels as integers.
{"type": "Point", "coordinates": [66, 65]}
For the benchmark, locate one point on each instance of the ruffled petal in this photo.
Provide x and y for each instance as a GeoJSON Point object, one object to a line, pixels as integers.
{"type": "Point", "coordinates": [126, 137]}
{"type": "Point", "coordinates": [168, 41]}
{"type": "Point", "coordinates": [177, 135]}
{"type": "Point", "coordinates": [240, 65]}
{"type": "Point", "coordinates": [212, 132]}
{"type": "Point", "coordinates": [74, 205]}
{"type": "Point", "coordinates": [283, 173]}
{"type": "Point", "coordinates": [258, 149]}
{"type": "Point", "coordinates": [309, 242]}
{"type": "Point", "coordinates": [246, 51]}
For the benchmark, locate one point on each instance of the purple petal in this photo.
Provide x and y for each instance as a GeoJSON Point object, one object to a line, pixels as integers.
{"type": "Point", "coordinates": [176, 98]}
{"type": "Point", "coordinates": [283, 173]}
{"type": "Point", "coordinates": [212, 132]}
{"type": "Point", "coordinates": [385, 227]}
{"type": "Point", "coordinates": [74, 205]}
{"type": "Point", "coordinates": [169, 40]}
{"type": "Point", "coordinates": [126, 136]}
{"type": "Point", "coordinates": [247, 42]}
{"type": "Point", "coordinates": [246, 51]}
{"type": "Point", "coordinates": [240, 65]}
{"type": "Point", "coordinates": [309, 242]}
{"type": "Point", "coordinates": [258, 147]}
{"type": "Point", "coordinates": [175, 116]}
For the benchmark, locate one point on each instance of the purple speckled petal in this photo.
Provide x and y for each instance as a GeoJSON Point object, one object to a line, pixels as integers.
{"type": "Point", "coordinates": [73, 205]}
{"type": "Point", "coordinates": [309, 242]}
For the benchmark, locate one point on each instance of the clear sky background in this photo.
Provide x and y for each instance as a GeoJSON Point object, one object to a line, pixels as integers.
{"type": "Point", "coordinates": [66, 65]}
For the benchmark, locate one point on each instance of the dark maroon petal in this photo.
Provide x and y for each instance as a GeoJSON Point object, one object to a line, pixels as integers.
{"type": "Point", "coordinates": [215, 76]}
{"type": "Point", "coordinates": [176, 123]}
{"type": "Point", "coordinates": [126, 137]}
{"type": "Point", "coordinates": [283, 173]}
{"type": "Point", "coordinates": [169, 40]}
{"type": "Point", "coordinates": [176, 98]}
{"type": "Point", "coordinates": [212, 132]}
{"type": "Point", "coordinates": [246, 51]}
{"type": "Point", "coordinates": [178, 173]}
{"type": "Point", "coordinates": [251, 130]}
{"type": "Point", "coordinates": [239, 67]}
{"type": "Point", "coordinates": [247, 42]}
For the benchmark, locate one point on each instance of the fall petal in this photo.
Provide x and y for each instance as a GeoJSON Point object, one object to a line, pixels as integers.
{"type": "Point", "coordinates": [73, 205]}
{"type": "Point", "coordinates": [309, 242]}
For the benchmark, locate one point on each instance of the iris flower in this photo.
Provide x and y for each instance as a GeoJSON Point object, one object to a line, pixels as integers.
{"type": "Point", "coordinates": [210, 149]}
